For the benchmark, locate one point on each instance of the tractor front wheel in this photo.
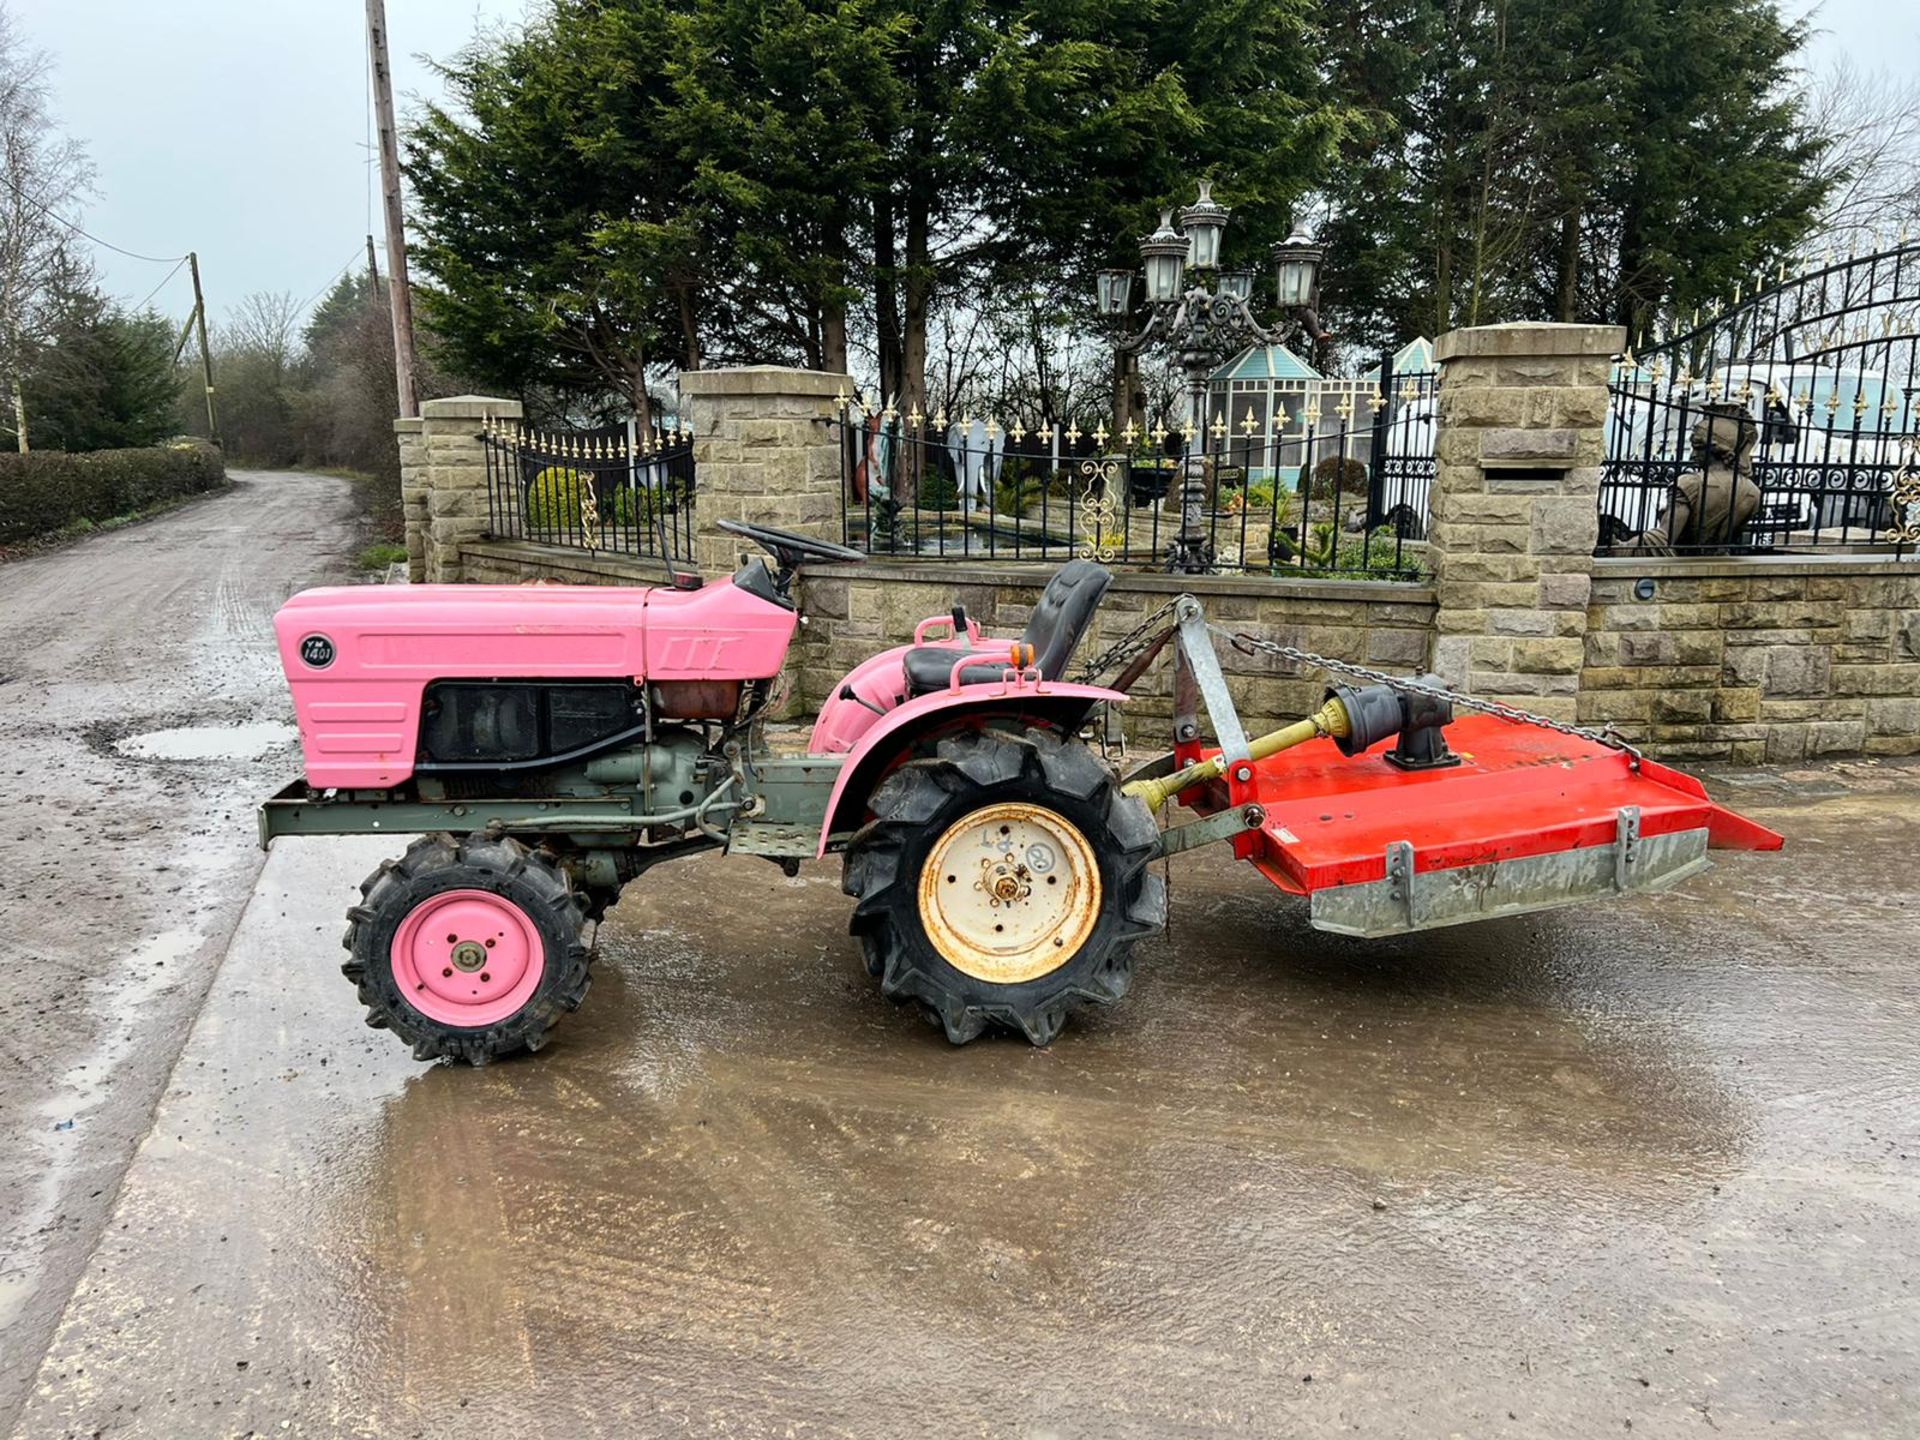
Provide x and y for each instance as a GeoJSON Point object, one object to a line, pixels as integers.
{"type": "Point", "coordinates": [468, 949]}
{"type": "Point", "coordinates": [1003, 882]}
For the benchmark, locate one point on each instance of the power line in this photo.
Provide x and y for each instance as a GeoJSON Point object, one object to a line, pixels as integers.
{"type": "Point", "coordinates": [337, 276]}
{"type": "Point", "coordinates": [161, 286]}
{"type": "Point", "coordinates": [104, 244]}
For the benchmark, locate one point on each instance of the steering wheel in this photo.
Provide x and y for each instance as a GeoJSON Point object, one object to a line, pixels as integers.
{"type": "Point", "coordinates": [790, 549]}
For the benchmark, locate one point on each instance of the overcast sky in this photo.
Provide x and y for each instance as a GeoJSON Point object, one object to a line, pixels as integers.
{"type": "Point", "coordinates": [238, 127]}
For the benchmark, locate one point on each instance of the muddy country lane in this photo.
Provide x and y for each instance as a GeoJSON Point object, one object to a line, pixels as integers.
{"type": "Point", "coordinates": [142, 715]}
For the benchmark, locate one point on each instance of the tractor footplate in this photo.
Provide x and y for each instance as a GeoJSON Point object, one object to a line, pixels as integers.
{"type": "Point", "coordinates": [1529, 820]}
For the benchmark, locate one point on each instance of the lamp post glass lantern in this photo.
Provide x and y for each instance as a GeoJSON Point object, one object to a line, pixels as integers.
{"type": "Point", "coordinates": [1113, 290]}
{"type": "Point", "coordinates": [1204, 220]}
{"type": "Point", "coordinates": [1296, 270]}
{"type": "Point", "coordinates": [1164, 254]}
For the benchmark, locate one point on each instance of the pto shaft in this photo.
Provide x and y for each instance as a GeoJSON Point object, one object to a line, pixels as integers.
{"type": "Point", "coordinates": [1330, 719]}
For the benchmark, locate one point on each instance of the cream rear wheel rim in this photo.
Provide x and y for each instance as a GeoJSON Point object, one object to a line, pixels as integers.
{"type": "Point", "coordinates": [1010, 892]}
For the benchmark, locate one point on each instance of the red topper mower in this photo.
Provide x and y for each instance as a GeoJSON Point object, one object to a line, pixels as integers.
{"type": "Point", "coordinates": [552, 743]}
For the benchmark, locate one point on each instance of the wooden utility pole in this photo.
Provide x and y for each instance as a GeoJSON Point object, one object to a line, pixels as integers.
{"type": "Point", "coordinates": [373, 267]}
{"type": "Point", "coordinates": [399, 296]}
{"type": "Point", "coordinates": [206, 355]}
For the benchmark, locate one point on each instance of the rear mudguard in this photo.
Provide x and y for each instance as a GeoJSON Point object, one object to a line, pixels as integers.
{"type": "Point", "coordinates": [1058, 705]}
{"type": "Point", "coordinates": [878, 684]}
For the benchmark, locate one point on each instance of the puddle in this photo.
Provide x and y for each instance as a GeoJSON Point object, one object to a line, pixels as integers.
{"type": "Point", "coordinates": [208, 742]}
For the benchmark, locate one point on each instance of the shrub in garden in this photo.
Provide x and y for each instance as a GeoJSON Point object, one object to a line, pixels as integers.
{"type": "Point", "coordinates": [1336, 474]}
{"type": "Point", "coordinates": [553, 499]}
{"type": "Point", "coordinates": [938, 491]}
{"type": "Point", "coordinates": [1016, 493]}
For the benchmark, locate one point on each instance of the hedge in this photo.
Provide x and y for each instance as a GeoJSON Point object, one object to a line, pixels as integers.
{"type": "Point", "coordinates": [49, 490]}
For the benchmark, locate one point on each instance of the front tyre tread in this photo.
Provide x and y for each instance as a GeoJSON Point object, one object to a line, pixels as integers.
{"type": "Point", "coordinates": [445, 862]}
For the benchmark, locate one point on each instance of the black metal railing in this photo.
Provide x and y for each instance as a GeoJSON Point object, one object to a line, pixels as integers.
{"type": "Point", "coordinates": [1294, 497]}
{"type": "Point", "coordinates": [616, 491]}
{"type": "Point", "coordinates": [1789, 423]}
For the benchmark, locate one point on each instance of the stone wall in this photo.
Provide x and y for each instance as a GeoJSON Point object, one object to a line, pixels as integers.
{"type": "Point", "coordinates": [443, 481]}
{"type": "Point", "coordinates": [522, 562]}
{"type": "Point", "coordinates": [1748, 659]}
{"type": "Point", "coordinates": [1756, 659]}
{"type": "Point", "coordinates": [414, 488]}
{"type": "Point", "coordinates": [852, 611]}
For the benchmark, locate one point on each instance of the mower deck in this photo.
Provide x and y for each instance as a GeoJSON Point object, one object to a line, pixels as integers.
{"type": "Point", "coordinates": [1529, 819]}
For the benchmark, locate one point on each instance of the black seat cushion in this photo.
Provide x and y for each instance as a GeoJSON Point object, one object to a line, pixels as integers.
{"type": "Point", "coordinates": [929, 667]}
{"type": "Point", "coordinates": [1060, 618]}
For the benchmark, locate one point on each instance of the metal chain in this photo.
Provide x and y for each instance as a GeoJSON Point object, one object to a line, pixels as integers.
{"type": "Point", "coordinates": [1246, 643]}
{"type": "Point", "coordinates": [1134, 643]}
{"type": "Point", "coordinates": [1137, 640]}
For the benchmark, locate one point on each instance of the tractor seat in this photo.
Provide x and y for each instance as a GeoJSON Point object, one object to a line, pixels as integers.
{"type": "Point", "coordinates": [1061, 617]}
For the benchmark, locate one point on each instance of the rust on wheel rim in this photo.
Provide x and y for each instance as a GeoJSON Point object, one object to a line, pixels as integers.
{"type": "Point", "coordinates": [1010, 893]}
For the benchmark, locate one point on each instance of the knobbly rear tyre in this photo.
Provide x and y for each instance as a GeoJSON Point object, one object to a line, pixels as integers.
{"type": "Point", "coordinates": [1069, 792]}
{"type": "Point", "coordinates": [467, 877]}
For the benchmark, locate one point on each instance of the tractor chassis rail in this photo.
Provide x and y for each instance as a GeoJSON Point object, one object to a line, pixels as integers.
{"type": "Point", "coordinates": [299, 810]}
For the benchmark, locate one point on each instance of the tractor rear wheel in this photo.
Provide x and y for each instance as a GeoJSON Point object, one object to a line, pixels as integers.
{"type": "Point", "coordinates": [1004, 882]}
{"type": "Point", "coordinates": [468, 949]}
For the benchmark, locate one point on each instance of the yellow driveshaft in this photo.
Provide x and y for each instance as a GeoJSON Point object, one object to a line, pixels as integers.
{"type": "Point", "coordinates": [1330, 719]}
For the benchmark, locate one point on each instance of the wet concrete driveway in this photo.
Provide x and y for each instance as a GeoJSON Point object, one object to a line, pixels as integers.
{"type": "Point", "coordinates": [1650, 1168]}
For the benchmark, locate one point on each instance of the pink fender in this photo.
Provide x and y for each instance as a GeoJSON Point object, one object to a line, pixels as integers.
{"type": "Point", "coordinates": [1044, 700]}
{"type": "Point", "coordinates": [880, 682]}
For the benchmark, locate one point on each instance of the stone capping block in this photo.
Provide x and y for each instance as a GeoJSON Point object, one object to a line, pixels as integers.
{"type": "Point", "coordinates": [1529, 339]}
{"type": "Point", "coordinates": [575, 566]}
{"type": "Point", "coordinates": [408, 425]}
{"type": "Point", "coordinates": [470, 407]}
{"type": "Point", "coordinates": [764, 380]}
{"type": "Point", "coordinates": [1884, 564]}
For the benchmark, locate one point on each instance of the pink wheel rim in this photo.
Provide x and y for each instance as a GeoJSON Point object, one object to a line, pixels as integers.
{"type": "Point", "coordinates": [468, 958]}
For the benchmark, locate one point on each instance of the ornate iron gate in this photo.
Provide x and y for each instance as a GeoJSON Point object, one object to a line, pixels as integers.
{"type": "Point", "coordinates": [598, 490]}
{"type": "Point", "coordinates": [1789, 422]}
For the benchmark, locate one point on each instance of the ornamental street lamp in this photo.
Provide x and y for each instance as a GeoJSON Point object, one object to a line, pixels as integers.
{"type": "Point", "coordinates": [1201, 324]}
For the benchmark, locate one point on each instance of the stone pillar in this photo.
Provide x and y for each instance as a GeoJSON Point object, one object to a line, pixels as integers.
{"type": "Point", "coordinates": [413, 494]}
{"type": "Point", "coordinates": [456, 480]}
{"type": "Point", "coordinates": [762, 453]}
{"type": "Point", "coordinates": [1519, 444]}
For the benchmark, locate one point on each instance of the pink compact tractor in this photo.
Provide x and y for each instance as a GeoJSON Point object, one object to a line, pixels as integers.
{"type": "Point", "coordinates": [550, 744]}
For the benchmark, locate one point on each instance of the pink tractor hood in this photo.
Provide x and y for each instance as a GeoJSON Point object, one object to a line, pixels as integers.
{"type": "Point", "coordinates": [359, 659]}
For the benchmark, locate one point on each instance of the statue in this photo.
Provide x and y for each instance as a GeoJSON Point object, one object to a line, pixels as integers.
{"type": "Point", "coordinates": [1710, 504]}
